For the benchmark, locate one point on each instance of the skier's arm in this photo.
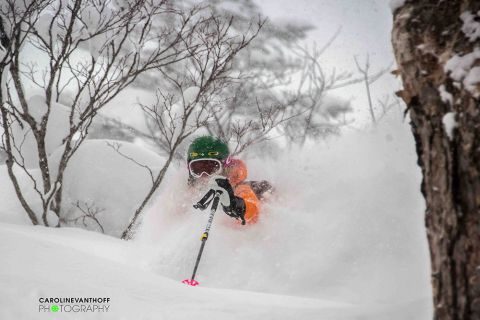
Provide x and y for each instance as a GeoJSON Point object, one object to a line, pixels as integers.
{"type": "Point", "coordinates": [232, 205]}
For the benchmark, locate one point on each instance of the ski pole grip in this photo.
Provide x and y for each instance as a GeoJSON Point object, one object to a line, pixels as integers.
{"type": "Point", "coordinates": [205, 201]}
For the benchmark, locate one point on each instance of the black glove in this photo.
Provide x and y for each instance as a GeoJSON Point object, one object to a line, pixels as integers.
{"type": "Point", "coordinates": [232, 205]}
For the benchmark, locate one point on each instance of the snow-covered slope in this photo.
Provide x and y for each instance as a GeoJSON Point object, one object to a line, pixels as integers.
{"type": "Point", "coordinates": [39, 262]}
{"type": "Point", "coordinates": [345, 224]}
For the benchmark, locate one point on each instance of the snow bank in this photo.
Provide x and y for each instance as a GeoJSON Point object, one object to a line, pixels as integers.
{"type": "Point", "coordinates": [126, 107]}
{"type": "Point", "coordinates": [100, 178]}
{"type": "Point", "coordinates": [11, 210]}
{"type": "Point", "coordinates": [57, 129]}
{"type": "Point", "coordinates": [97, 178]}
{"type": "Point", "coordinates": [346, 223]}
{"type": "Point", "coordinates": [75, 263]}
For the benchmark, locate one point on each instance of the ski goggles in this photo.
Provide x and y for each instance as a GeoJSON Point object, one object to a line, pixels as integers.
{"type": "Point", "coordinates": [208, 167]}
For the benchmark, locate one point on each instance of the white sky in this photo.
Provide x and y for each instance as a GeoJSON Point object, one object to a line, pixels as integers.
{"type": "Point", "coordinates": [366, 27]}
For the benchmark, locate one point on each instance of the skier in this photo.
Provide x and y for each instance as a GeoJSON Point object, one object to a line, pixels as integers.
{"type": "Point", "coordinates": [210, 165]}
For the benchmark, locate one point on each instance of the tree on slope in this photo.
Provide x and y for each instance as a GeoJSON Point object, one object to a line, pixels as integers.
{"type": "Point", "coordinates": [93, 51]}
{"type": "Point", "coordinates": [437, 48]}
{"type": "Point", "coordinates": [278, 86]}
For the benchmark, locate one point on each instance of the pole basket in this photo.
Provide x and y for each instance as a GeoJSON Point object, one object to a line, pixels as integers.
{"type": "Point", "coordinates": [191, 282]}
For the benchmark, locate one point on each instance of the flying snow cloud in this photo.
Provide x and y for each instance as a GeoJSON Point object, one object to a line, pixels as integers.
{"type": "Point", "coordinates": [345, 222]}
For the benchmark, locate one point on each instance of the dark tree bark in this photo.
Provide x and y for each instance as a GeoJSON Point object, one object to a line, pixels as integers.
{"type": "Point", "coordinates": [425, 36]}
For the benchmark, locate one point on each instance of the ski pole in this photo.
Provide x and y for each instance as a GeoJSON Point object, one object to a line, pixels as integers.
{"type": "Point", "coordinates": [204, 238]}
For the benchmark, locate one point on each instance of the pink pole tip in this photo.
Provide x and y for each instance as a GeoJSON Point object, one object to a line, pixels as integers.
{"type": "Point", "coordinates": [191, 282]}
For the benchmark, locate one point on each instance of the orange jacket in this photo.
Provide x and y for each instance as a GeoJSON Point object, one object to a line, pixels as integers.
{"type": "Point", "coordinates": [236, 172]}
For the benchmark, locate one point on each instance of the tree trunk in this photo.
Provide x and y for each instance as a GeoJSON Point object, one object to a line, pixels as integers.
{"type": "Point", "coordinates": [425, 36]}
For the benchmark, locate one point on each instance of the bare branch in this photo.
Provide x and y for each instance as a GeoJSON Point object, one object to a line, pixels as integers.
{"type": "Point", "coordinates": [89, 212]}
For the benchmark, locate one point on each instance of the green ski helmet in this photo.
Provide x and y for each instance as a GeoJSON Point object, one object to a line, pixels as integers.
{"type": "Point", "coordinates": [207, 147]}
